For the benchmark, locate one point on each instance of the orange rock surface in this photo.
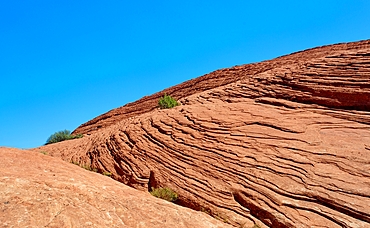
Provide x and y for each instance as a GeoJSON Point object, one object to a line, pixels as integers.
{"type": "Point", "coordinates": [284, 143]}
{"type": "Point", "coordinates": [41, 191]}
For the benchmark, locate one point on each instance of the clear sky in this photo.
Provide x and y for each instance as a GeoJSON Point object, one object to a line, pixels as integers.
{"type": "Point", "coordinates": [63, 63]}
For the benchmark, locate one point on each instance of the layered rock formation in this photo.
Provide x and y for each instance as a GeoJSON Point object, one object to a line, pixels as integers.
{"type": "Point", "coordinates": [281, 143]}
{"type": "Point", "coordinates": [41, 191]}
{"type": "Point", "coordinates": [309, 68]}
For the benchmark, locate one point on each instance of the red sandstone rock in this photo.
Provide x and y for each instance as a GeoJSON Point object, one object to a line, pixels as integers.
{"type": "Point", "coordinates": [283, 142]}
{"type": "Point", "coordinates": [41, 191]}
{"type": "Point", "coordinates": [305, 76]}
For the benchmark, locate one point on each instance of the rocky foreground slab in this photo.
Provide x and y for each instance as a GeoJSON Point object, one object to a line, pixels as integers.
{"type": "Point", "coordinates": [41, 191]}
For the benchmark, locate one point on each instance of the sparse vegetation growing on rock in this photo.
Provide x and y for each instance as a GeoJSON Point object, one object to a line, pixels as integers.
{"type": "Point", "coordinates": [207, 211]}
{"type": "Point", "coordinates": [167, 102]}
{"type": "Point", "coordinates": [216, 215]}
{"type": "Point", "coordinates": [89, 168]}
{"type": "Point", "coordinates": [164, 193]}
{"type": "Point", "coordinates": [108, 174]}
{"type": "Point", "coordinates": [75, 163]}
{"type": "Point", "coordinates": [85, 166]}
{"type": "Point", "coordinates": [61, 136]}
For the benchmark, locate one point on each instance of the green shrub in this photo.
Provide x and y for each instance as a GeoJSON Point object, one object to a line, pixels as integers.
{"type": "Point", "coordinates": [89, 168]}
{"type": "Point", "coordinates": [61, 136]}
{"type": "Point", "coordinates": [164, 193]}
{"type": "Point", "coordinates": [108, 174]}
{"type": "Point", "coordinates": [167, 102]}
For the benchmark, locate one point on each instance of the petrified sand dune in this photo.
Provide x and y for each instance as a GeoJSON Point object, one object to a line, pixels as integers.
{"type": "Point", "coordinates": [41, 191]}
{"type": "Point", "coordinates": [284, 143]}
{"type": "Point", "coordinates": [309, 74]}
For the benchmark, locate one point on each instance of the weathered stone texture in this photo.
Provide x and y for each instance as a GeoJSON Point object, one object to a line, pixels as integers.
{"type": "Point", "coordinates": [41, 191]}
{"type": "Point", "coordinates": [284, 142]}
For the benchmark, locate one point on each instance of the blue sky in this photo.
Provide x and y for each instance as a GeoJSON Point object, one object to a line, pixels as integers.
{"type": "Point", "coordinates": [63, 63]}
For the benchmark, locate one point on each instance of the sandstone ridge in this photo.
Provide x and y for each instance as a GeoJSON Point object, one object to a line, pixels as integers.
{"type": "Point", "coordinates": [283, 143]}
{"type": "Point", "coordinates": [307, 74]}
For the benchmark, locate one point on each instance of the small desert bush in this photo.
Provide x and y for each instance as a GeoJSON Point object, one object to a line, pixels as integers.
{"type": "Point", "coordinates": [61, 136]}
{"type": "Point", "coordinates": [108, 174]}
{"type": "Point", "coordinates": [167, 102]}
{"type": "Point", "coordinates": [89, 168]}
{"type": "Point", "coordinates": [75, 163]}
{"type": "Point", "coordinates": [164, 193]}
{"type": "Point", "coordinates": [85, 166]}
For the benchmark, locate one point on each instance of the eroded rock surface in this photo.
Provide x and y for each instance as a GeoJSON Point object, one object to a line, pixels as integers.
{"type": "Point", "coordinates": [285, 142]}
{"type": "Point", "coordinates": [41, 191]}
{"type": "Point", "coordinates": [309, 74]}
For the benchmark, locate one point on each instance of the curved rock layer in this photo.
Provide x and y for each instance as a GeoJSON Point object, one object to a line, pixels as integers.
{"type": "Point", "coordinates": [287, 145]}
{"type": "Point", "coordinates": [308, 73]}
{"type": "Point", "coordinates": [41, 191]}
